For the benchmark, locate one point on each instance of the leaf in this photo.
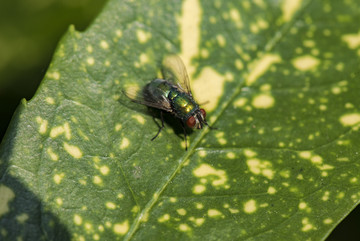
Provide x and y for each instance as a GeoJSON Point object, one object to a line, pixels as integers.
{"type": "Point", "coordinates": [77, 161]}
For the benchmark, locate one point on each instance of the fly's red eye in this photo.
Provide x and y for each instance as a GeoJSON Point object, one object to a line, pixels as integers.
{"type": "Point", "coordinates": [203, 112]}
{"type": "Point", "coordinates": [191, 122]}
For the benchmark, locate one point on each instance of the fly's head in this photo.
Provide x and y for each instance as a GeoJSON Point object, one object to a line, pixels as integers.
{"type": "Point", "coordinates": [197, 119]}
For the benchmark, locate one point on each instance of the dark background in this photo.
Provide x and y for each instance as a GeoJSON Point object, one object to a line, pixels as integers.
{"type": "Point", "coordinates": [29, 33]}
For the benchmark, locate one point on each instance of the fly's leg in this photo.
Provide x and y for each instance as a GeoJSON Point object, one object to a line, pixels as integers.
{"type": "Point", "coordinates": [210, 127]}
{"type": "Point", "coordinates": [161, 127]}
{"type": "Point", "coordinates": [183, 126]}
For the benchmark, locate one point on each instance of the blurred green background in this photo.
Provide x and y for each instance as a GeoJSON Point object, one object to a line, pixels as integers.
{"type": "Point", "coordinates": [29, 33]}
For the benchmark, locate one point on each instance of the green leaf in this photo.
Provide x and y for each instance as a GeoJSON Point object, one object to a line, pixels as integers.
{"type": "Point", "coordinates": [280, 78]}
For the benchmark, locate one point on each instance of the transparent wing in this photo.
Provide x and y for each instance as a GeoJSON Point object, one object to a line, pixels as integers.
{"type": "Point", "coordinates": [174, 71]}
{"type": "Point", "coordinates": [144, 98]}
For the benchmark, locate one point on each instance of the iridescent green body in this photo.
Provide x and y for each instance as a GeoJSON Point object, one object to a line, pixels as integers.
{"type": "Point", "coordinates": [173, 95]}
{"type": "Point", "coordinates": [182, 104]}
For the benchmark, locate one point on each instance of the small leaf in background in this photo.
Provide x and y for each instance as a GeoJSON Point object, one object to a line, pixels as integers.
{"type": "Point", "coordinates": [282, 88]}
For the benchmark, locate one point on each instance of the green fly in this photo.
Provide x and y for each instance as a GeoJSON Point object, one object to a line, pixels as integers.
{"type": "Point", "coordinates": [171, 94]}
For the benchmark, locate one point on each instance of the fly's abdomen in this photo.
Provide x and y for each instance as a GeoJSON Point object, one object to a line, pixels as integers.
{"type": "Point", "coordinates": [158, 88]}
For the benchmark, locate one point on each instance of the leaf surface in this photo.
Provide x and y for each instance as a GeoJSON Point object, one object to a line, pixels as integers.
{"type": "Point", "coordinates": [281, 85]}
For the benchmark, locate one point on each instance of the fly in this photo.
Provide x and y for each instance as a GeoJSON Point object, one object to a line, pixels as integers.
{"type": "Point", "coordinates": [172, 94]}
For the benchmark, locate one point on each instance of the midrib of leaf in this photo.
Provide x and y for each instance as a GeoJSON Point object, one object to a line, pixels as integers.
{"type": "Point", "coordinates": [267, 48]}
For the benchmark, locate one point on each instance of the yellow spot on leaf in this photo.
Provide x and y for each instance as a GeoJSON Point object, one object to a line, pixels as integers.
{"type": "Point", "coordinates": [88, 226]}
{"type": "Point", "coordinates": [198, 189]}
{"type": "Point", "coordinates": [309, 43]}
{"type": "Point", "coordinates": [77, 219]}
{"type": "Point", "coordinates": [144, 58]}
{"type": "Point", "coordinates": [239, 64]}
{"type": "Point", "coordinates": [305, 63]}
{"type": "Point", "coordinates": [250, 206]}
{"type": "Point", "coordinates": [271, 190]}
{"type": "Point", "coordinates": [59, 201]}
{"type": "Point", "coordinates": [233, 210]}
{"type": "Point", "coordinates": [289, 8]}
{"type": "Point", "coordinates": [59, 130]}
{"type": "Point", "coordinates": [110, 205]}
{"type": "Point", "coordinates": [260, 167]}
{"type": "Point", "coordinates": [316, 159]}
{"type": "Point", "coordinates": [350, 119]}
{"type": "Point", "coordinates": [230, 155]}
{"type": "Point", "coordinates": [89, 48]}
{"type": "Point", "coordinates": [340, 195]}
{"type": "Point", "coordinates": [104, 170]}
{"type": "Point", "coordinates": [135, 209]}
{"type": "Point", "coordinates": [259, 67]}
{"type": "Point", "coordinates": [96, 159]}
{"type": "Point", "coordinates": [74, 151]}
{"type": "Point", "coordinates": [118, 127]}
{"type": "Point", "coordinates": [43, 124]}
{"type": "Point", "coordinates": [184, 227]}
{"type": "Point", "coordinates": [328, 221]}
{"type": "Point", "coordinates": [55, 75]}
{"type": "Point", "coordinates": [222, 141]}
{"type": "Point", "coordinates": [104, 44]}
{"type": "Point", "coordinates": [97, 180]}
{"type": "Point", "coordinates": [352, 40]}
{"type": "Point", "coordinates": [50, 100]}
{"type": "Point", "coordinates": [215, 86]}
{"type": "Point", "coordinates": [58, 178]}
{"type": "Point", "coordinates": [199, 221]}
{"type": "Point", "coordinates": [139, 118]}
{"type": "Point", "coordinates": [240, 102]}
{"type": "Point", "coordinates": [90, 61]}
{"type": "Point", "coordinates": [221, 40]}
{"type": "Point", "coordinates": [336, 90]}
{"type": "Point", "coordinates": [124, 143]}
{"type": "Point", "coordinates": [52, 155]}
{"type": "Point", "coordinates": [190, 23]}
{"type": "Point", "coordinates": [164, 218]}
{"type": "Point", "coordinates": [121, 228]}
{"type": "Point", "coordinates": [118, 33]}
{"type": "Point", "coordinates": [302, 205]}
{"type": "Point", "coordinates": [236, 18]}
{"type": "Point", "coordinates": [265, 87]}
{"type": "Point", "coordinates": [307, 226]}
{"type": "Point", "coordinates": [305, 154]}
{"type": "Point", "coordinates": [325, 167]}
{"type": "Point", "coordinates": [202, 153]}
{"type": "Point", "coordinates": [205, 170]}
{"type": "Point", "coordinates": [354, 180]}
{"type": "Point", "coordinates": [7, 195]}
{"type": "Point", "coordinates": [214, 213]}
{"type": "Point", "coordinates": [181, 211]}
{"type": "Point", "coordinates": [142, 36]}
{"type": "Point", "coordinates": [263, 101]}
{"type": "Point", "coordinates": [249, 153]}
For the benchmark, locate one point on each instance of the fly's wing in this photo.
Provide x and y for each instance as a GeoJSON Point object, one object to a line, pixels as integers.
{"type": "Point", "coordinates": [174, 71]}
{"type": "Point", "coordinates": [143, 97]}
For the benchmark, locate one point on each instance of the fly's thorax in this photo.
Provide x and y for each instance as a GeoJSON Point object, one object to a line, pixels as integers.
{"type": "Point", "coordinates": [183, 105]}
